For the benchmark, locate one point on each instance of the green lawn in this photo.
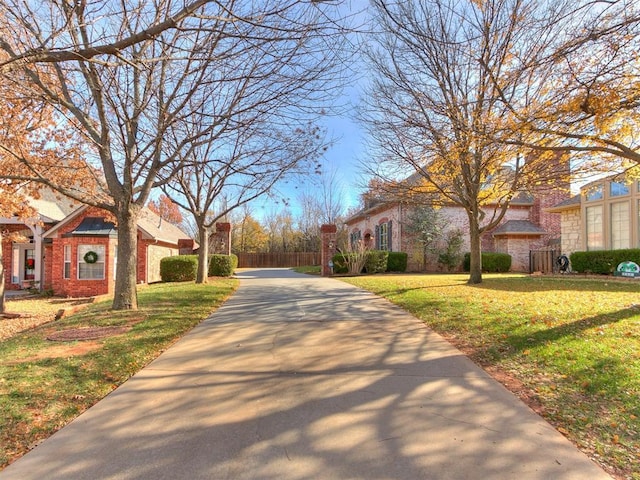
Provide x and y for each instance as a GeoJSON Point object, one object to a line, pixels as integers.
{"type": "Point", "coordinates": [574, 343]}
{"type": "Point", "coordinates": [44, 384]}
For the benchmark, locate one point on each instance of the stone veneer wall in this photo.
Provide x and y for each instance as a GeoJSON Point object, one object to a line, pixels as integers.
{"type": "Point", "coordinates": [571, 231]}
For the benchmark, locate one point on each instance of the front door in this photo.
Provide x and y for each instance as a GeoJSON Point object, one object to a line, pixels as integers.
{"type": "Point", "coordinates": [23, 268]}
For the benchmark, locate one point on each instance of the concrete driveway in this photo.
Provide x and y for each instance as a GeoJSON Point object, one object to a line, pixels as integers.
{"type": "Point", "coordinates": [300, 377]}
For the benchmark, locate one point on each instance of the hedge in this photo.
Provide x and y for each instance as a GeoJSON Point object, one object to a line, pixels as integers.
{"type": "Point", "coordinates": [179, 268]}
{"type": "Point", "coordinates": [602, 261]}
{"type": "Point", "coordinates": [376, 261]}
{"type": "Point", "coordinates": [397, 262]}
{"type": "Point", "coordinates": [222, 265]}
{"type": "Point", "coordinates": [491, 262]}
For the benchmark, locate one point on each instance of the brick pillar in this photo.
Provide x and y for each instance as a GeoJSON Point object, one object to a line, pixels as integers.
{"type": "Point", "coordinates": [328, 247]}
{"type": "Point", "coordinates": [186, 246]}
{"type": "Point", "coordinates": [221, 239]}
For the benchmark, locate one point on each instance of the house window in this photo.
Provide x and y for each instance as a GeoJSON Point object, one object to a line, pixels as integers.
{"type": "Point", "coordinates": [617, 189]}
{"type": "Point", "coordinates": [595, 240]}
{"type": "Point", "coordinates": [66, 274]}
{"type": "Point", "coordinates": [594, 193]}
{"type": "Point", "coordinates": [620, 222]}
{"type": "Point", "coordinates": [354, 239]}
{"type": "Point", "coordinates": [383, 236]}
{"type": "Point", "coordinates": [91, 271]}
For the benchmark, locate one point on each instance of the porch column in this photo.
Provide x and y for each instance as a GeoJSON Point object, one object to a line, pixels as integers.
{"type": "Point", "coordinates": [328, 248]}
{"type": "Point", "coordinates": [39, 255]}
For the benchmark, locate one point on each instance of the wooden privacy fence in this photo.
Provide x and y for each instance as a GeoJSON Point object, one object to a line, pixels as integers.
{"type": "Point", "coordinates": [278, 260]}
{"type": "Point", "coordinates": [543, 261]}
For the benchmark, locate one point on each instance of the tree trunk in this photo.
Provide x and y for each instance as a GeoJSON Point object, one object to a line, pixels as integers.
{"type": "Point", "coordinates": [125, 294]}
{"type": "Point", "coordinates": [2, 305]}
{"type": "Point", "coordinates": [475, 266]}
{"type": "Point", "coordinates": [203, 255]}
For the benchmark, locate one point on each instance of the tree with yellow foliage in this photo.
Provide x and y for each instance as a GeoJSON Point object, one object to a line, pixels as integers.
{"type": "Point", "coordinates": [436, 106]}
{"type": "Point", "coordinates": [582, 88]}
{"type": "Point", "coordinates": [248, 236]}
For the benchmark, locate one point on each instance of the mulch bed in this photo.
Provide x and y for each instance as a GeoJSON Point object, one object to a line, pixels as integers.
{"type": "Point", "coordinates": [89, 333]}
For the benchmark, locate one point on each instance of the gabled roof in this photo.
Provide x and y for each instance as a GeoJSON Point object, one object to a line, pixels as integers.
{"type": "Point", "coordinates": [568, 204]}
{"type": "Point", "coordinates": [154, 227]}
{"type": "Point", "coordinates": [150, 224]}
{"type": "Point", "coordinates": [95, 226]}
{"type": "Point", "coordinates": [518, 227]}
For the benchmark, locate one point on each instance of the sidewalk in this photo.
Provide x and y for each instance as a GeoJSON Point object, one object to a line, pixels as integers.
{"type": "Point", "coordinates": [300, 377]}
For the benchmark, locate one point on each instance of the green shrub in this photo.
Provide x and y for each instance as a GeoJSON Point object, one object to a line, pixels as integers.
{"type": "Point", "coordinates": [496, 262]}
{"type": "Point", "coordinates": [491, 262]}
{"type": "Point", "coordinates": [451, 255]}
{"type": "Point", "coordinates": [376, 261]}
{"type": "Point", "coordinates": [222, 265]}
{"type": "Point", "coordinates": [602, 261]}
{"type": "Point", "coordinates": [179, 268]}
{"type": "Point", "coordinates": [397, 262]}
{"type": "Point", "coordinates": [339, 263]}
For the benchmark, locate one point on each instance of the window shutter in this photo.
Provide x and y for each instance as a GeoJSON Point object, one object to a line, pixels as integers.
{"type": "Point", "coordinates": [389, 246]}
{"type": "Point", "coordinates": [377, 235]}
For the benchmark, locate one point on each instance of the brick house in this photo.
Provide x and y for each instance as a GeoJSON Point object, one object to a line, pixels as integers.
{"type": "Point", "coordinates": [603, 216]}
{"type": "Point", "coordinates": [527, 225]}
{"type": "Point", "coordinates": [22, 241]}
{"type": "Point", "coordinates": [76, 255]}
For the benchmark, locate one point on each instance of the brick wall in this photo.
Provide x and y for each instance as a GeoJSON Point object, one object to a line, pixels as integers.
{"type": "Point", "coordinates": [328, 247]}
{"type": "Point", "coordinates": [141, 253]}
{"type": "Point", "coordinates": [220, 240]}
{"type": "Point", "coordinates": [73, 286]}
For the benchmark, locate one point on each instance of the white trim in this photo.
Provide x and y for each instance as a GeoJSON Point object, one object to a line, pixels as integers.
{"type": "Point", "coordinates": [49, 233]}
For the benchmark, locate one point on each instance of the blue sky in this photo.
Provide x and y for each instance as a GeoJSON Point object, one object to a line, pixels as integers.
{"type": "Point", "coordinates": [348, 136]}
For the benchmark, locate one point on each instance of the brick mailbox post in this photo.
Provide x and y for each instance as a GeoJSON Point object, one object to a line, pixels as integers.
{"type": "Point", "coordinates": [328, 248]}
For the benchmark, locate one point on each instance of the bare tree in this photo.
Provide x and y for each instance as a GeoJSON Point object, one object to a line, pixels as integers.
{"type": "Point", "coordinates": [130, 77]}
{"type": "Point", "coordinates": [321, 203]}
{"type": "Point", "coordinates": [435, 106]}
{"type": "Point", "coordinates": [235, 168]}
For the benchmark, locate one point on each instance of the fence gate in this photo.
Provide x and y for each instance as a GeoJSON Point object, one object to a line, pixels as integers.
{"type": "Point", "coordinates": [543, 261]}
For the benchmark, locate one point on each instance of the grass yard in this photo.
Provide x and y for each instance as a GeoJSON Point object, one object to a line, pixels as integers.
{"type": "Point", "coordinates": [571, 344]}
{"type": "Point", "coordinates": [52, 373]}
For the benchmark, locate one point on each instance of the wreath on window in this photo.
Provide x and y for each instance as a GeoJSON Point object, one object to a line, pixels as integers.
{"type": "Point", "coordinates": [31, 263]}
{"type": "Point", "coordinates": [90, 257]}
